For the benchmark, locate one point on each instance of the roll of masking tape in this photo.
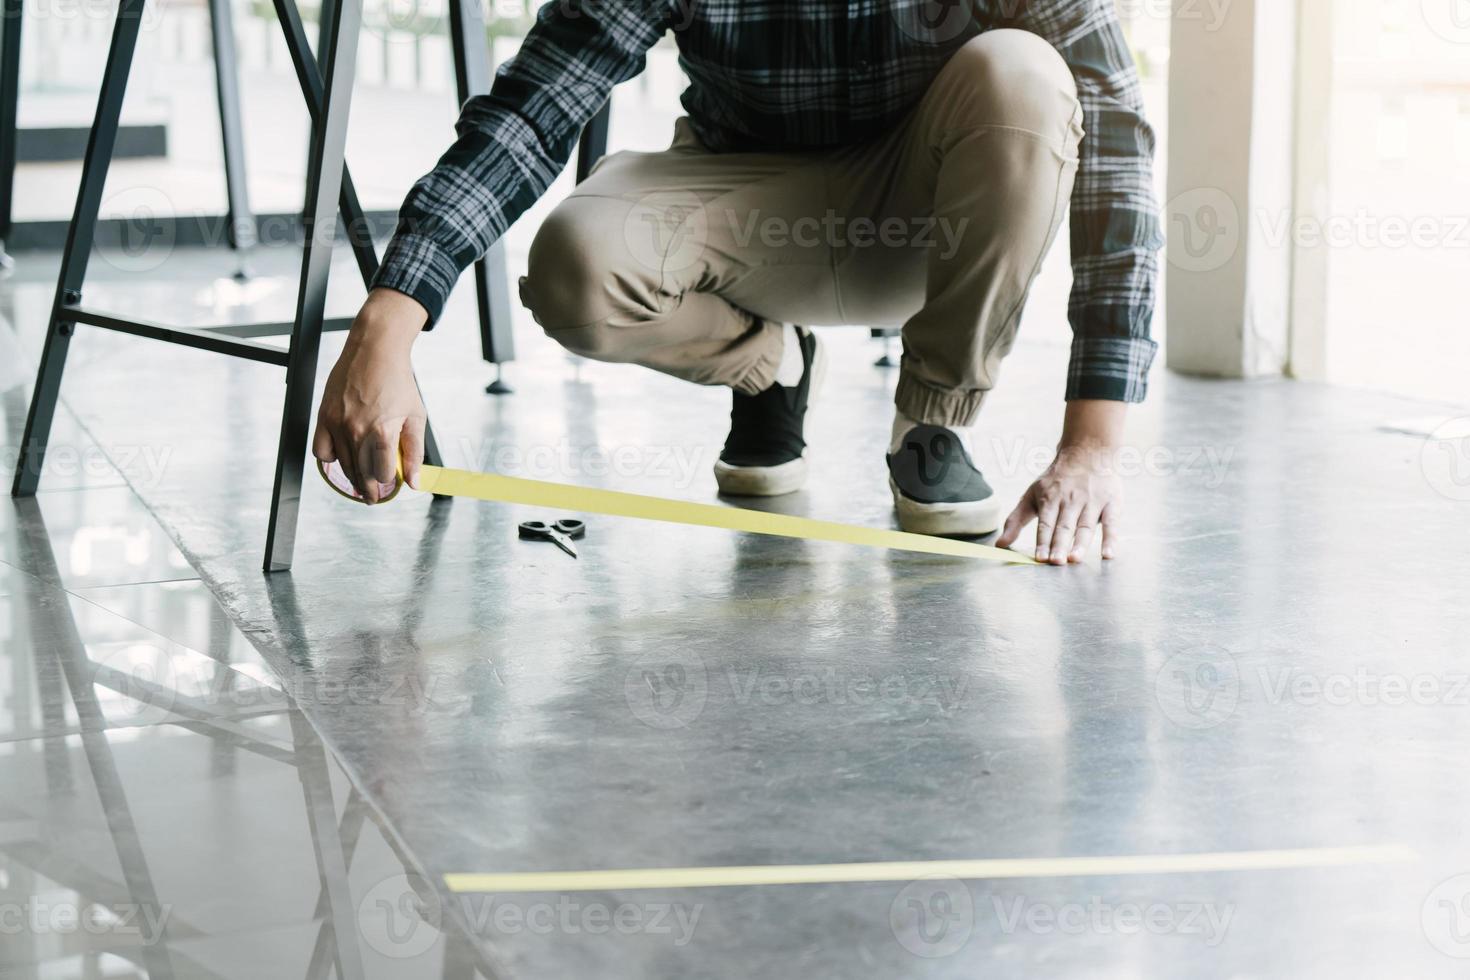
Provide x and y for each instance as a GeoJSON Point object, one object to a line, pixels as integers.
{"type": "Point", "coordinates": [613, 503]}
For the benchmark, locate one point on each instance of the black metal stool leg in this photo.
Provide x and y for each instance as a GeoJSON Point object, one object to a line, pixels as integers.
{"type": "Point", "coordinates": [240, 219]}
{"type": "Point", "coordinates": [492, 290]}
{"type": "Point", "coordinates": [308, 75]}
{"type": "Point", "coordinates": [324, 183]}
{"type": "Point", "coordinates": [324, 17]}
{"type": "Point", "coordinates": [886, 335]}
{"type": "Point", "coordinates": [9, 100]}
{"type": "Point", "coordinates": [78, 249]}
{"type": "Point", "coordinates": [492, 279]}
{"type": "Point", "coordinates": [593, 144]}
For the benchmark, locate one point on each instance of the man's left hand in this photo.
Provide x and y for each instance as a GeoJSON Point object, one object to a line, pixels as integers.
{"type": "Point", "coordinates": [1080, 492]}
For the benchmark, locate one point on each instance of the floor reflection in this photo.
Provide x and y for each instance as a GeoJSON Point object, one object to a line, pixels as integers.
{"type": "Point", "coordinates": [190, 836]}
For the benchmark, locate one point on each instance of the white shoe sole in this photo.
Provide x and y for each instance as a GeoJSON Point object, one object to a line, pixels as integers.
{"type": "Point", "coordinates": [969, 519]}
{"type": "Point", "coordinates": [761, 481]}
{"type": "Point", "coordinates": [783, 478]}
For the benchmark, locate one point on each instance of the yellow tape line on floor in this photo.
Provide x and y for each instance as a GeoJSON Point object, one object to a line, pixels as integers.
{"type": "Point", "coordinates": [815, 874]}
{"type": "Point", "coordinates": [613, 503]}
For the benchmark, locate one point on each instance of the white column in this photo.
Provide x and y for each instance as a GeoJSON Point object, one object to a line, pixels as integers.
{"type": "Point", "coordinates": [1232, 106]}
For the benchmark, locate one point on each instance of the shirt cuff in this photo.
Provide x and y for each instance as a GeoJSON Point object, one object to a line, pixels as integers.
{"type": "Point", "coordinates": [420, 268]}
{"type": "Point", "coordinates": [1110, 368]}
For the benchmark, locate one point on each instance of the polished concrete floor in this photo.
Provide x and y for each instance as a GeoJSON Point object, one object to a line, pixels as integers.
{"type": "Point", "coordinates": [208, 772]}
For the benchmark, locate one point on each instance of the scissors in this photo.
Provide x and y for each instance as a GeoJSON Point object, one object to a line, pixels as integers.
{"type": "Point", "coordinates": [559, 533]}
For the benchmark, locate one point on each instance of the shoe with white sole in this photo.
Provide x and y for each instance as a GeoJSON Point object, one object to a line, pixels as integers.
{"type": "Point", "coordinates": [937, 488]}
{"type": "Point", "coordinates": [765, 453]}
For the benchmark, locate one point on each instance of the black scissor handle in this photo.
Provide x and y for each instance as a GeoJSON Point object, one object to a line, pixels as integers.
{"type": "Point", "coordinates": [540, 529]}
{"type": "Point", "coordinates": [571, 528]}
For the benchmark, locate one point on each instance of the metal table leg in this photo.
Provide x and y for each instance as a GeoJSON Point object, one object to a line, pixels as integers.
{"type": "Point", "coordinates": [78, 249]}
{"type": "Point", "coordinates": [9, 99]}
{"type": "Point", "coordinates": [324, 182]}
{"type": "Point", "coordinates": [239, 218]}
{"type": "Point", "coordinates": [492, 277]}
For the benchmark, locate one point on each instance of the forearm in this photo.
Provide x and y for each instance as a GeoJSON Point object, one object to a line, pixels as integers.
{"type": "Point", "coordinates": [1093, 424]}
{"type": "Point", "coordinates": [389, 321]}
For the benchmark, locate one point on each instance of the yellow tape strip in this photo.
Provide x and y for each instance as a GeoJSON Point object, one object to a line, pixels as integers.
{"type": "Point", "coordinates": [820, 874]}
{"type": "Point", "coordinates": [561, 496]}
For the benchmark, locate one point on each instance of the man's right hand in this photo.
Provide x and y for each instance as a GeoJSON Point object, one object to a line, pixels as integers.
{"type": "Point", "coordinates": [371, 410]}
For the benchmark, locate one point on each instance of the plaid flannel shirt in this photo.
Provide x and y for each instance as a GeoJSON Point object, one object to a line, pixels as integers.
{"type": "Point", "coordinates": [786, 74]}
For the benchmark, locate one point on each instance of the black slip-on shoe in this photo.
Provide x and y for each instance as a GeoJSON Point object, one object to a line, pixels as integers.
{"type": "Point", "coordinates": [764, 455]}
{"type": "Point", "coordinates": [937, 489]}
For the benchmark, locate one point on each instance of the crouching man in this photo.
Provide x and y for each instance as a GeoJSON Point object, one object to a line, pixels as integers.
{"type": "Point", "coordinates": [894, 162]}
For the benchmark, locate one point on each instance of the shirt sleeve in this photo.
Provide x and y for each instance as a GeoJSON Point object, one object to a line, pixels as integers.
{"type": "Point", "coordinates": [513, 142]}
{"type": "Point", "coordinates": [1115, 214]}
